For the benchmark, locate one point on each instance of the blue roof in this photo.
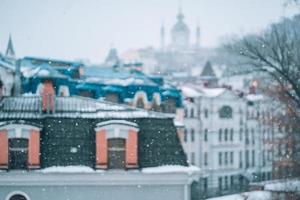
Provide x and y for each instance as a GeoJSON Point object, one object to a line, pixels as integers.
{"type": "Point", "coordinates": [117, 76]}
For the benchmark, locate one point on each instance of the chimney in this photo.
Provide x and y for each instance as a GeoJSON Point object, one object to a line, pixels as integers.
{"type": "Point", "coordinates": [48, 97]}
{"type": "Point", "coordinates": [252, 88]}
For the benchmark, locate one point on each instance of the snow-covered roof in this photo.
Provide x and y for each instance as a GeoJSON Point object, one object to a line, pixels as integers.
{"type": "Point", "coordinates": [292, 185]}
{"type": "Point", "coordinates": [190, 92]}
{"type": "Point", "coordinates": [7, 64]}
{"type": "Point", "coordinates": [42, 71]}
{"type": "Point", "coordinates": [116, 76]}
{"type": "Point", "coordinates": [254, 97]}
{"type": "Point", "coordinates": [212, 92]}
{"type": "Point", "coordinates": [71, 107]}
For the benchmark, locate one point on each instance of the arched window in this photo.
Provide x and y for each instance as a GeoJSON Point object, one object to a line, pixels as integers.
{"type": "Point", "coordinates": [112, 97]}
{"type": "Point", "coordinates": [156, 102]}
{"type": "Point", "coordinates": [19, 145]}
{"type": "Point", "coordinates": [140, 103]}
{"type": "Point", "coordinates": [225, 112]}
{"type": "Point", "coordinates": [18, 197]}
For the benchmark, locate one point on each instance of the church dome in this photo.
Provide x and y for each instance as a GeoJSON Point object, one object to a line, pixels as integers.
{"type": "Point", "coordinates": [180, 26]}
{"type": "Point", "coordinates": [180, 33]}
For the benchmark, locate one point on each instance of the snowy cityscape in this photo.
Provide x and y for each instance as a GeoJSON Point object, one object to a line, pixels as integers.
{"type": "Point", "coordinates": [159, 100]}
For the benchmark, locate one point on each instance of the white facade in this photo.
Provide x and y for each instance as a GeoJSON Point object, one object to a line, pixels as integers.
{"type": "Point", "coordinates": [230, 143]}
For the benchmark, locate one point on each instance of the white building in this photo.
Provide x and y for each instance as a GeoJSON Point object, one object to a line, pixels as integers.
{"type": "Point", "coordinates": [227, 137]}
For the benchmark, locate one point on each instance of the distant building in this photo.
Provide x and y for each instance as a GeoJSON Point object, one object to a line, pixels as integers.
{"type": "Point", "coordinates": [182, 52]}
{"type": "Point", "coordinates": [7, 70]}
{"type": "Point", "coordinates": [7, 76]}
{"type": "Point", "coordinates": [228, 133]}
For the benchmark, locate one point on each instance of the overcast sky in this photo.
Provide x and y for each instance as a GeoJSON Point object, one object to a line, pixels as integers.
{"type": "Point", "coordinates": [74, 29]}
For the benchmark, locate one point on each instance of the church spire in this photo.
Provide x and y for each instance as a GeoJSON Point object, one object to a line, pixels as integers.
{"type": "Point", "coordinates": [198, 34]}
{"type": "Point", "coordinates": [10, 52]}
{"type": "Point", "coordinates": [180, 16]}
{"type": "Point", "coordinates": [162, 36]}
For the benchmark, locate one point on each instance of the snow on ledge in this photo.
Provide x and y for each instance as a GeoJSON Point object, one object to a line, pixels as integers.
{"type": "Point", "coordinates": [68, 169]}
{"type": "Point", "coordinates": [254, 195]}
{"type": "Point", "coordinates": [171, 169]}
{"type": "Point", "coordinates": [288, 185]}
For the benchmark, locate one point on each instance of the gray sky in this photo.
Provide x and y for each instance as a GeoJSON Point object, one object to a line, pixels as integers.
{"type": "Point", "coordinates": [73, 29]}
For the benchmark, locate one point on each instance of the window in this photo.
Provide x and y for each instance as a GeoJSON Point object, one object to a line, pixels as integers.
{"type": "Point", "coordinates": [87, 93]}
{"type": "Point", "coordinates": [18, 153]}
{"type": "Point", "coordinates": [186, 112]}
{"type": "Point", "coordinates": [220, 183]}
{"type": "Point", "coordinates": [205, 113]}
{"type": "Point", "coordinates": [192, 113]}
{"type": "Point", "coordinates": [220, 158]}
{"type": "Point", "coordinates": [246, 136]}
{"type": "Point", "coordinates": [205, 184]}
{"type": "Point", "coordinates": [116, 144]}
{"type": "Point", "coordinates": [226, 158]}
{"type": "Point", "coordinates": [252, 135]}
{"type": "Point", "coordinates": [185, 135]}
{"type": "Point", "coordinates": [253, 158]}
{"type": "Point", "coordinates": [226, 182]}
{"type": "Point", "coordinates": [205, 159]}
{"type": "Point", "coordinates": [114, 97]}
{"type": "Point", "coordinates": [170, 105]}
{"type": "Point", "coordinates": [205, 135]}
{"type": "Point", "coordinates": [226, 135]}
{"type": "Point", "coordinates": [247, 158]}
{"type": "Point", "coordinates": [116, 153]}
{"type": "Point", "coordinates": [140, 103]}
{"type": "Point", "coordinates": [17, 196]}
{"type": "Point", "coordinates": [231, 135]}
{"type": "Point", "coordinates": [231, 181]}
{"type": "Point", "coordinates": [225, 112]}
{"type": "Point", "coordinates": [241, 159]}
{"type": "Point", "coordinates": [220, 135]}
{"type": "Point", "coordinates": [263, 157]}
{"type": "Point", "coordinates": [231, 157]}
{"type": "Point", "coordinates": [193, 158]}
{"type": "Point", "coordinates": [192, 135]}
{"type": "Point", "coordinates": [241, 134]}
{"type": "Point", "coordinates": [64, 91]}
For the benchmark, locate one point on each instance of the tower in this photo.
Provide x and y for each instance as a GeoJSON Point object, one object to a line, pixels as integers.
{"type": "Point", "coordinates": [162, 37]}
{"type": "Point", "coordinates": [10, 52]}
{"type": "Point", "coordinates": [180, 33]}
{"type": "Point", "coordinates": [197, 36]}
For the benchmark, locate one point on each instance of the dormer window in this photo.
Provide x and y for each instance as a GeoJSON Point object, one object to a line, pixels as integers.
{"type": "Point", "coordinates": [19, 146]}
{"type": "Point", "coordinates": [116, 145]}
{"type": "Point", "coordinates": [112, 97]}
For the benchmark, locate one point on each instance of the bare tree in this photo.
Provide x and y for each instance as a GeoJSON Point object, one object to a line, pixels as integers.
{"type": "Point", "coordinates": [276, 51]}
